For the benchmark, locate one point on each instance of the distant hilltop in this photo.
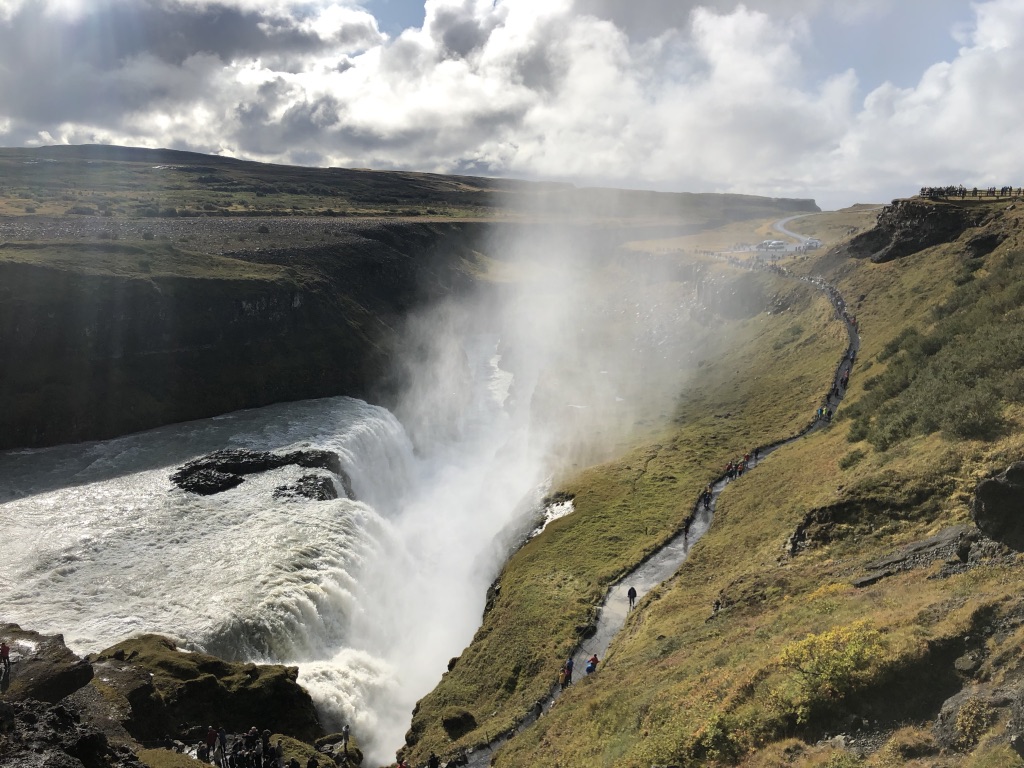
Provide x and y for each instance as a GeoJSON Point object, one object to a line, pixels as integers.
{"type": "Point", "coordinates": [362, 191]}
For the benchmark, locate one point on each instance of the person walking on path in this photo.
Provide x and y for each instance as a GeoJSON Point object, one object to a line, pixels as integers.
{"type": "Point", "coordinates": [631, 594]}
{"type": "Point", "coordinates": [568, 671]}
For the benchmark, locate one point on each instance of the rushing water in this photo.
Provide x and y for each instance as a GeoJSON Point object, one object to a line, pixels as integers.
{"type": "Point", "coordinates": [369, 597]}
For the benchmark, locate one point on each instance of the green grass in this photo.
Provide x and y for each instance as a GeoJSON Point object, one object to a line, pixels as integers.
{"type": "Point", "coordinates": [956, 376]}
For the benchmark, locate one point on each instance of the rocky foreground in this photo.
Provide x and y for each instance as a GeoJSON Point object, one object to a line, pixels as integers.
{"type": "Point", "coordinates": [143, 700]}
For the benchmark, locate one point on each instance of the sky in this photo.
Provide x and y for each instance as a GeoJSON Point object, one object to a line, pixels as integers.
{"type": "Point", "coordinates": [843, 101]}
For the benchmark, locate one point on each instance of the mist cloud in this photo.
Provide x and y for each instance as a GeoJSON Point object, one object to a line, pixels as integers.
{"type": "Point", "coordinates": [699, 96]}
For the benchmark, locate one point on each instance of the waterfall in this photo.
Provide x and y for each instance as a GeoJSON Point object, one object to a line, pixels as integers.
{"type": "Point", "coordinates": [370, 597]}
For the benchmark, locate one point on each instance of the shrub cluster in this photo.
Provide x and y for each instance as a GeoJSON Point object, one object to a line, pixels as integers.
{"type": "Point", "coordinates": [956, 377]}
{"type": "Point", "coordinates": [833, 664]}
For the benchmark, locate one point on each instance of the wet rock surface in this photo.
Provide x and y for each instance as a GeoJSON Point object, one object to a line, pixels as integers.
{"type": "Point", "coordinates": [223, 470]}
{"type": "Point", "coordinates": [314, 487]}
{"type": "Point", "coordinates": [98, 711]}
{"type": "Point", "coordinates": [998, 507]}
{"type": "Point", "coordinates": [41, 721]}
{"type": "Point", "coordinates": [42, 666]}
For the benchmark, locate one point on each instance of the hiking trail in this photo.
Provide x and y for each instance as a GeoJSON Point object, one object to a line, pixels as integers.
{"type": "Point", "coordinates": [663, 563]}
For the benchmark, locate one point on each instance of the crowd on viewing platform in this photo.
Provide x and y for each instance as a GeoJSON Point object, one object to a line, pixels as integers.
{"type": "Point", "coordinates": [962, 192]}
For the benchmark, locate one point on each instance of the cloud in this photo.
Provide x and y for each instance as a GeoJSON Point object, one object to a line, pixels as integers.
{"type": "Point", "coordinates": [955, 124]}
{"type": "Point", "coordinates": [710, 96]}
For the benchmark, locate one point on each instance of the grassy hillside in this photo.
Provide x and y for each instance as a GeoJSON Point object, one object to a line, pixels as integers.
{"type": "Point", "coordinates": [628, 507]}
{"type": "Point", "coordinates": [851, 600]}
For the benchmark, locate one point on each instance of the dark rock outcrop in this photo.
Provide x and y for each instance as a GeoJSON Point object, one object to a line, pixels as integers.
{"type": "Point", "coordinates": [56, 714]}
{"type": "Point", "coordinates": [165, 691]}
{"type": "Point", "coordinates": [909, 226]}
{"type": "Point", "coordinates": [969, 714]}
{"type": "Point", "coordinates": [222, 470]}
{"type": "Point", "coordinates": [998, 507]}
{"type": "Point", "coordinates": [38, 734]}
{"type": "Point", "coordinates": [42, 666]}
{"type": "Point", "coordinates": [951, 544]}
{"type": "Point", "coordinates": [983, 244]}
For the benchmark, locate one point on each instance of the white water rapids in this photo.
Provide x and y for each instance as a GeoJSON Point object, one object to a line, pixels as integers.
{"type": "Point", "coordinates": [370, 597]}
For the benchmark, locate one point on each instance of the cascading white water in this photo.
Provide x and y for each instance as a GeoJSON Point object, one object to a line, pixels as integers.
{"type": "Point", "coordinates": [369, 597]}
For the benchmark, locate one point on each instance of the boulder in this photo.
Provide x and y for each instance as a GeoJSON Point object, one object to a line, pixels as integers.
{"type": "Point", "coordinates": [998, 507]}
{"type": "Point", "coordinates": [42, 667]}
{"type": "Point", "coordinates": [206, 482]}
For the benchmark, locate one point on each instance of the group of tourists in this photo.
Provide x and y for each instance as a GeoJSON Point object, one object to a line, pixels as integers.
{"type": "Point", "coordinates": [959, 190]}
{"type": "Point", "coordinates": [733, 470]}
{"type": "Point", "coordinates": [565, 673]}
{"type": "Point", "coordinates": [251, 749]}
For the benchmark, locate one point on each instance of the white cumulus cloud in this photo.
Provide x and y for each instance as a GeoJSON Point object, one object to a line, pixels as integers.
{"type": "Point", "coordinates": [691, 95]}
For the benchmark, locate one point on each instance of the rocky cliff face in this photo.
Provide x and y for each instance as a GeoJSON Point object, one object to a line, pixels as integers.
{"type": "Point", "coordinates": [88, 354]}
{"type": "Point", "coordinates": [909, 226]}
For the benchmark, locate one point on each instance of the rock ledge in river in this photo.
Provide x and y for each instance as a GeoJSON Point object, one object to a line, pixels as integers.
{"type": "Point", "coordinates": [223, 470]}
